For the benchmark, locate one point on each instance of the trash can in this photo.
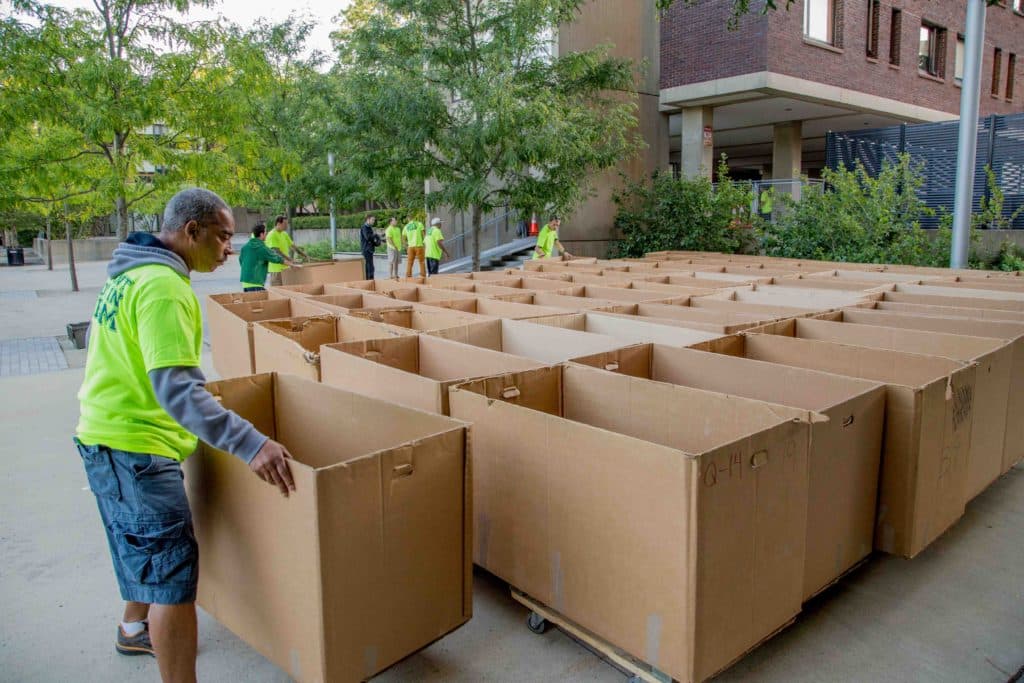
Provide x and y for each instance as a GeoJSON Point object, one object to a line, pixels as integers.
{"type": "Point", "coordinates": [15, 256]}
{"type": "Point", "coordinates": [78, 334]}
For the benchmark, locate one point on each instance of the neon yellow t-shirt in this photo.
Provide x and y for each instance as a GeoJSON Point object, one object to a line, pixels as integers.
{"type": "Point", "coordinates": [282, 241]}
{"type": "Point", "coordinates": [433, 247]}
{"type": "Point", "coordinates": [546, 241]}
{"type": "Point", "coordinates": [146, 318]}
{"type": "Point", "coordinates": [394, 236]}
{"type": "Point", "coordinates": [414, 231]}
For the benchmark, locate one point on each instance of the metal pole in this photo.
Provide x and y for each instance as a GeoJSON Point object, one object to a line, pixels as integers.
{"type": "Point", "coordinates": [967, 144]}
{"type": "Point", "coordinates": [334, 222]}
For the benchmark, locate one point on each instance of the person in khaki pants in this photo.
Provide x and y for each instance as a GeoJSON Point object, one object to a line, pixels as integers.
{"type": "Point", "coordinates": [414, 233]}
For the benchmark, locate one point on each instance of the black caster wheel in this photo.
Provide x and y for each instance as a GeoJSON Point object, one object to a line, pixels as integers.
{"type": "Point", "coordinates": [536, 623]}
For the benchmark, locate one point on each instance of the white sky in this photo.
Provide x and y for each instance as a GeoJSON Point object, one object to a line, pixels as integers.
{"type": "Point", "coordinates": [244, 12]}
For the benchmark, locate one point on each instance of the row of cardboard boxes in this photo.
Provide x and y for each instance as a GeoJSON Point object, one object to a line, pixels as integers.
{"type": "Point", "coordinates": [680, 504]}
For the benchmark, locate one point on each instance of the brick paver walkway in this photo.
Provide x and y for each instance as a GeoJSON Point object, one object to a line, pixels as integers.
{"type": "Point", "coordinates": [31, 356]}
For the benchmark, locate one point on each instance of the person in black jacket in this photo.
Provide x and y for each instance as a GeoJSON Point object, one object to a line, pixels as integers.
{"type": "Point", "coordinates": [368, 241]}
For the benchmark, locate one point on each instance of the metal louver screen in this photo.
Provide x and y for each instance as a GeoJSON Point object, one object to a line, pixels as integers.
{"type": "Point", "coordinates": [1000, 146]}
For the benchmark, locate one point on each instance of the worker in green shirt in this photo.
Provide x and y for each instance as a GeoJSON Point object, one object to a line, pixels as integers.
{"type": "Point", "coordinates": [144, 406]}
{"type": "Point", "coordinates": [393, 239]}
{"type": "Point", "coordinates": [254, 259]}
{"type": "Point", "coordinates": [280, 239]}
{"type": "Point", "coordinates": [414, 235]}
{"type": "Point", "coordinates": [435, 246]}
{"type": "Point", "coordinates": [547, 241]}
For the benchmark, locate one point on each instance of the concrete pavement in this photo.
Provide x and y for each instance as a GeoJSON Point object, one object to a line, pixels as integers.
{"type": "Point", "coordinates": [955, 613]}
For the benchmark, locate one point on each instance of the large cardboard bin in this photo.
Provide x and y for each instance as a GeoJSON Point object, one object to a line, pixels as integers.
{"type": "Point", "coordinates": [928, 419]}
{"type": "Point", "coordinates": [319, 273]}
{"type": "Point", "coordinates": [367, 561]}
{"type": "Point", "coordinates": [230, 326]}
{"type": "Point", "coordinates": [542, 343]}
{"type": "Point", "coordinates": [666, 520]}
{"type": "Point", "coordinates": [293, 345]}
{"type": "Point", "coordinates": [991, 388]}
{"type": "Point", "coordinates": [413, 371]}
{"type": "Point", "coordinates": [629, 329]}
{"type": "Point", "coordinates": [845, 449]}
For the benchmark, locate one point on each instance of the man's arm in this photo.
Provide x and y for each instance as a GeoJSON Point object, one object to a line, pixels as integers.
{"type": "Point", "coordinates": [181, 391]}
{"type": "Point", "coordinates": [272, 255]}
{"type": "Point", "coordinates": [444, 249]}
{"type": "Point", "coordinates": [562, 250]}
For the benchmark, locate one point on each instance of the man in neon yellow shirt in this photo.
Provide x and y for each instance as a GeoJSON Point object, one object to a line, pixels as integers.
{"type": "Point", "coordinates": [413, 233]}
{"type": "Point", "coordinates": [393, 238]}
{"type": "Point", "coordinates": [143, 408]}
{"type": "Point", "coordinates": [280, 239]}
{"type": "Point", "coordinates": [435, 247]}
{"type": "Point", "coordinates": [547, 241]}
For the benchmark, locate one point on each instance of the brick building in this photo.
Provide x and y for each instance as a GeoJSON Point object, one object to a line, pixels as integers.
{"type": "Point", "coordinates": [771, 89]}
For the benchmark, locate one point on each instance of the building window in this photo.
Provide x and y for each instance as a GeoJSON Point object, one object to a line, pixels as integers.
{"type": "Point", "coordinates": [997, 68]}
{"type": "Point", "coordinates": [958, 60]}
{"type": "Point", "coordinates": [1011, 66]}
{"type": "Point", "coordinates": [931, 52]}
{"type": "Point", "coordinates": [820, 20]}
{"type": "Point", "coordinates": [874, 13]}
{"type": "Point", "coordinates": [895, 29]}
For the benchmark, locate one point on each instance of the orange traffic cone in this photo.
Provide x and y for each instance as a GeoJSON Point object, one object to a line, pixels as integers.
{"type": "Point", "coordinates": [533, 226]}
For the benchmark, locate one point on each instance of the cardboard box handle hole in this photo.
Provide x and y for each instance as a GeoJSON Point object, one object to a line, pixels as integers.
{"type": "Point", "coordinates": [510, 392]}
{"type": "Point", "coordinates": [759, 459]}
{"type": "Point", "coordinates": [848, 421]}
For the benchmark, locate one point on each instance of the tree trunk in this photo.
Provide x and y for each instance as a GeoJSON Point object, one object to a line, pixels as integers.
{"type": "Point", "coordinates": [71, 250]}
{"type": "Point", "coordinates": [49, 246]}
{"type": "Point", "coordinates": [121, 218]}
{"type": "Point", "coordinates": [477, 220]}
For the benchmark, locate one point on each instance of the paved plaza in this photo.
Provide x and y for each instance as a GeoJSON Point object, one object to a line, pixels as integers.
{"type": "Point", "coordinates": [954, 614]}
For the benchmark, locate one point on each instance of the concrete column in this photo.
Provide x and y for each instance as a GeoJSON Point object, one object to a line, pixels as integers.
{"type": "Point", "coordinates": [787, 150]}
{"type": "Point", "coordinates": [697, 157]}
{"type": "Point", "coordinates": [787, 153]}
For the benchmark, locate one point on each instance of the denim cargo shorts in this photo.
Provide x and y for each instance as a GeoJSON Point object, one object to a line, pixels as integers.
{"type": "Point", "coordinates": [145, 512]}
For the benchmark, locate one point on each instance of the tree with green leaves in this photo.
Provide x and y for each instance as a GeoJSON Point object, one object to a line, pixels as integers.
{"type": "Point", "coordinates": [469, 96]}
{"type": "Point", "coordinates": [145, 96]}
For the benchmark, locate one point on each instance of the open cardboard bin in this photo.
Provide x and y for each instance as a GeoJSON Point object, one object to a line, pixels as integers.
{"type": "Point", "coordinates": [542, 343]}
{"type": "Point", "coordinates": [230, 327]}
{"type": "Point", "coordinates": [413, 371]}
{"type": "Point", "coordinates": [845, 450]}
{"type": "Point", "coordinates": [668, 521]}
{"type": "Point", "coordinates": [928, 419]}
{"type": "Point", "coordinates": [506, 307]}
{"type": "Point", "coordinates": [293, 345]}
{"type": "Point", "coordinates": [628, 329]}
{"type": "Point", "coordinates": [992, 383]}
{"type": "Point", "coordinates": [321, 272]}
{"type": "Point", "coordinates": [374, 481]}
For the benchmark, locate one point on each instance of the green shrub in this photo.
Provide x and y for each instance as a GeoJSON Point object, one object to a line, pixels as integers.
{"type": "Point", "coordinates": [321, 251]}
{"type": "Point", "coordinates": [683, 213]}
{"type": "Point", "coordinates": [859, 218]}
{"type": "Point", "coordinates": [1010, 257]}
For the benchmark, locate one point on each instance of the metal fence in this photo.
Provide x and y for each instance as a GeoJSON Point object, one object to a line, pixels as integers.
{"type": "Point", "coordinates": [495, 230]}
{"type": "Point", "coordinates": [1000, 147]}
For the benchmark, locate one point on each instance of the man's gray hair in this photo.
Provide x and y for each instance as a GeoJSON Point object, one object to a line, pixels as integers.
{"type": "Point", "coordinates": [193, 204]}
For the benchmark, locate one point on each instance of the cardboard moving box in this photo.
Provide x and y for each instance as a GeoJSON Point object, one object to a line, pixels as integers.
{"type": "Point", "coordinates": [230, 327]}
{"type": "Point", "coordinates": [506, 307]}
{"type": "Point", "coordinates": [293, 345]}
{"type": "Point", "coordinates": [991, 389]}
{"type": "Point", "coordinates": [845, 450]}
{"type": "Point", "coordinates": [1012, 332]}
{"type": "Point", "coordinates": [367, 561]}
{"type": "Point", "coordinates": [666, 520]}
{"type": "Point", "coordinates": [928, 418]}
{"type": "Point", "coordinates": [568, 303]}
{"type": "Point", "coordinates": [948, 311]}
{"type": "Point", "coordinates": [322, 272]}
{"type": "Point", "coordinates": [707, 319]}
{"type": "Point", "coordinates": [412, 371]}
{"type": "Point", "coordinates": [542, 343]}
{"type": "Point", "coordinates": [628, 329]}
{"type": "Point", "coordinates": [949, 296]}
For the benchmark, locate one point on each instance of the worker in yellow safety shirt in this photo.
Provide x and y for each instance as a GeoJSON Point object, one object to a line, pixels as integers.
{"type": "Point", "coordinates": [414, 234]}
{"type": "Point", "coordinates": [280, 240]}
{"type": "Point", "coordinates": [547, 241]}
{"type": "Point", "coordinates": [435, 247]}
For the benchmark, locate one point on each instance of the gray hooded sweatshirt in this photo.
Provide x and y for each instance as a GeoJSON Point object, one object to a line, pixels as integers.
{"type": "Point", "coordinates": [181, 391]}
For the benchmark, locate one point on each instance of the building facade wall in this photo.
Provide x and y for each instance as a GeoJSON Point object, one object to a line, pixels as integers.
{"type": "Point", "coordinates": [849, 65]}
{"type": "Point", "coordinates": [697, 47]}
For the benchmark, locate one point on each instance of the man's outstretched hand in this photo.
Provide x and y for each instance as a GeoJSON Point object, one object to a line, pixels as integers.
{"type": "Point", "coordinates": [271, 465]}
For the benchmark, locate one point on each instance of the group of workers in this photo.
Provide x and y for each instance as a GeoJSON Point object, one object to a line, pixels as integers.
{"type": "Point", "coordinates": [144, 406]}
{"type": "Point", "coordinates": [419, 244]}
